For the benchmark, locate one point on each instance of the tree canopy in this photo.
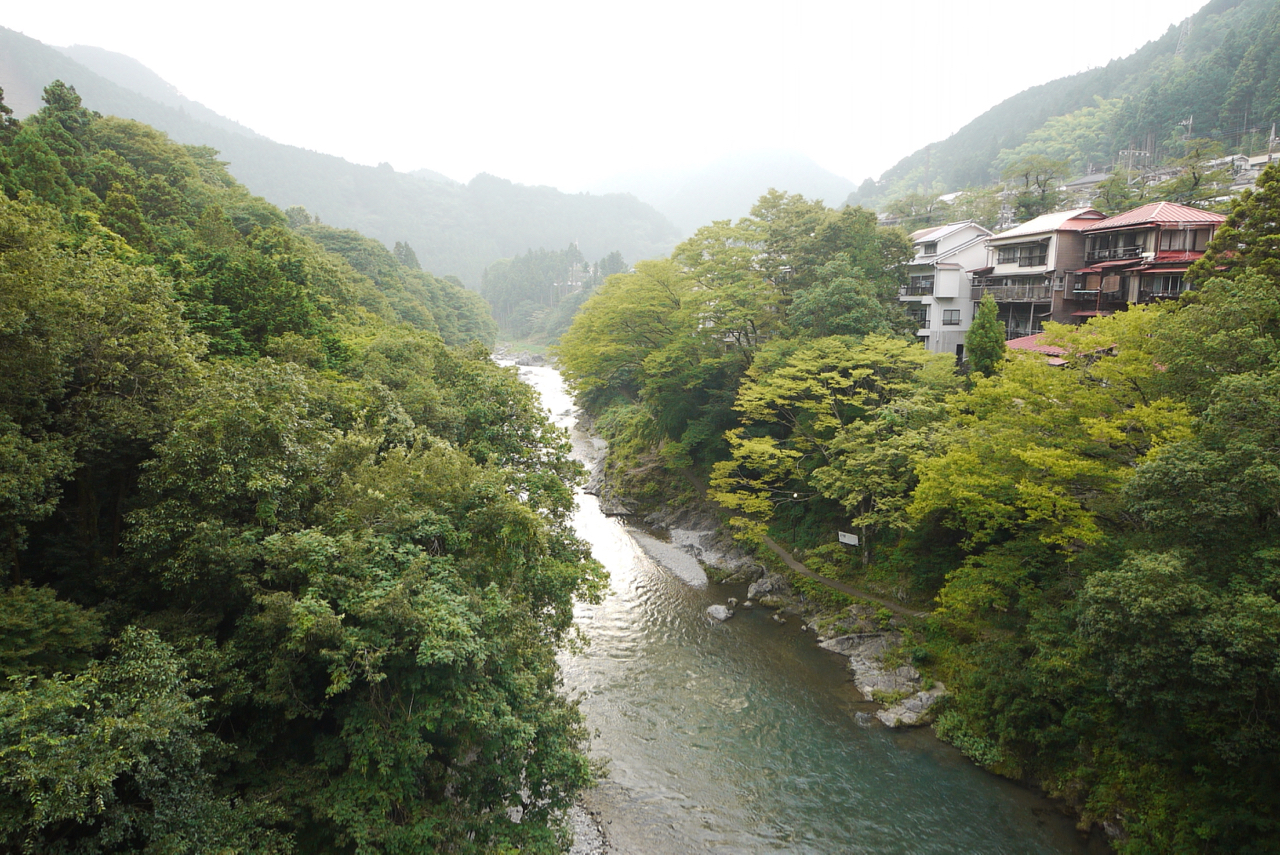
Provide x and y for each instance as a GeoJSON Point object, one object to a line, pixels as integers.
{"type": "Point", "coordinates": [285, 558]}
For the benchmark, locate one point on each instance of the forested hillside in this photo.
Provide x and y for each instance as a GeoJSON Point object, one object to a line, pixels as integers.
{"type": "Point", "coordinates": [1095, 541]}
{"type": "Point", "coordinates": [535, 296]}
{"type": "Point", "coordinates": [280, 570]}
{"type": "Point", "coordinates": [455, 229]}
{"type": "Point", "coordinates": [1215, 76]}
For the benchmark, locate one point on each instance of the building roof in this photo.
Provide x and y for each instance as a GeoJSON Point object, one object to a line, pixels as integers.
{"type": "Point", "coordinates": [934, 233]}
{"type": "Point", "coordinates": [1077, 219]}
{"type": "Point", "coordinates": [1088, 180]}
{"type": "Point", "coordinates": [1159, 214]}
{"type": "Point", "coordinates": [937, 232]}
{"type": "Point", "coordinates": [1035, 344]}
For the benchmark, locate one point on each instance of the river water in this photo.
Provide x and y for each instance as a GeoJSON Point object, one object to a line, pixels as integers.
{"type": "Point", "coordinates": [746, 737]}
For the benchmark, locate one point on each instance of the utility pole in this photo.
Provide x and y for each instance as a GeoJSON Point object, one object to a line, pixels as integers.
{"type": "Point", "coordinates": [1131, 152]}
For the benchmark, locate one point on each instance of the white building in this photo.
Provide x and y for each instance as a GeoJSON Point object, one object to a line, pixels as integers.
{"type": "Point", "coordinates": [937, 295]}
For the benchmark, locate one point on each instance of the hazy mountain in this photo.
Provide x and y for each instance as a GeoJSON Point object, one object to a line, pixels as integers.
{"type": "Point", "coordinates": [727, 188]}
{"type": "Point", "coordinates": [454, 229]}
{"type": "Point", "coordinates": [133, 75]}
{"type": "Point", "coordinates": [432, 175]}
{"type": "Point", "coordinates": [1220, 67]}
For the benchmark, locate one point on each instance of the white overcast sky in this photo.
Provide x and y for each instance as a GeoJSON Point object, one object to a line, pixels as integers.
{"type": "Point", "coordinates": [567, 93]}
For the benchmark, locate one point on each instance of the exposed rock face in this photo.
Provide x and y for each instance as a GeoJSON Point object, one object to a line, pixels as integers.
{"type": "Point", "coordinates": [876, 678]}
{"type": "Point", "coordinates": [767, 587]}
{"type": "Point", "coordinates": [611, 504]}
{"type": "Point", "coordinates": [696, 530]}
{"type": "Point", "coordinates": [914, 710]}
{"type": "Point", "coordinates": [530, 359]}
{"type": "Point", "coordinates": [719, 612]}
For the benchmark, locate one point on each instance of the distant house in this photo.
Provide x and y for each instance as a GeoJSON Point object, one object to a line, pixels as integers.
{"type": "Point", "coordinates": [937, 293]}
{"type": "Point", "coordinates": [1136, 257]}
{"type": "Point", "coordinates": [1083, 190]}
{"type": "Point", "coordinates": [1028, 263]}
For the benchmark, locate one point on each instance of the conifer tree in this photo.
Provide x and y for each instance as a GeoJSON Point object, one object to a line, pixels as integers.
{"type": "Point", "coordinates": [985, 339]}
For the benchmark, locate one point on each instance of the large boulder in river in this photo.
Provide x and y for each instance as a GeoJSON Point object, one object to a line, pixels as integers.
{"type": "Point", "coordinates": [768, 589]}
{"type": "Point", "coordinates": [719, 612]}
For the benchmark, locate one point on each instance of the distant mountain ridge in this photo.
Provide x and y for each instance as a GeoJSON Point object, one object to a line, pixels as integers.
{"type": "Point", "coordinates": [454, 229]}
{"type": "Point", "coordinates": [1220, 69]}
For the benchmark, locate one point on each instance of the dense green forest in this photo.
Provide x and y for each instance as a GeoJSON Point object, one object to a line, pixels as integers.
{"type": "Point", "coordinates": [455, 229]}
{"type": "Point", "coordinates": [1098, 543]}
{"type": "Point", "coordinates": [534, 296]}
{"type": "Point", "coordinates": [1216, 77]}
{"type": "Point", "coordinates": [284, 556]}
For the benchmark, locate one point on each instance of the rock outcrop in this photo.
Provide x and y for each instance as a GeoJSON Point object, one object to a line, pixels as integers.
{"type": "Point", "coordinates": [872, 659]}
{"type": "Point", "coordinates": [770, 590]}
{"type": "Point", "coordinates": [719, 612]}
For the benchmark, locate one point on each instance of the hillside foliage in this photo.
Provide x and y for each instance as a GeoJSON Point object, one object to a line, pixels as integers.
{"type": "Point", "coordinates": [285, 558]}
{"type": "Point", "coordinates": [1097, 540]}
{"type": "Point", "coordinates": [1214, 78]}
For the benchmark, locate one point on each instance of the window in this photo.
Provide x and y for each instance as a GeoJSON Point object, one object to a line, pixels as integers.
{"type": "Point", "coordinates": [1168, 286]}
{"type": "Point", "coordinates": [950, 317]}
{"type": "Point", "coordinates": [1024, 255]}
{"type": "Point", "coordinates": [930, 248]}
{"type": "Point", "coordinates": [1033, 255]}
{"type": "Point", "coordinates": [919, 313]}
{"type": "Point", "coordinates": [920, 285]}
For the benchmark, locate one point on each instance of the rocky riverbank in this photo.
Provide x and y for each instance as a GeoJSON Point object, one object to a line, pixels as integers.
{"type": "Point", "coordinates": [880, 667]}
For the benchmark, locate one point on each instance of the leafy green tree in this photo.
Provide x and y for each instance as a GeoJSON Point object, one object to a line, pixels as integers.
{"type": "Point", "coordinates": [830, 417]}
{"type": "Point", "coordinates": [1196, 182]}
{"type": "Point", "coordinates": [111, 759]}
{"type": "Point", "coordinates": [1035, 178]}
{"type": "Point", "coordinates": [845, 301]}
{"type": "Point", "coordinates": [1041, 450]}
{"type": "Point", "coordinates": [406, 256]}
{"type": "Point", "coordinates": [984, 343]}
{"type": "Point", "coordinates": [1245, 243]}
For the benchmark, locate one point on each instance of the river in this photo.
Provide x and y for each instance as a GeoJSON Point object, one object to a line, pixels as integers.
{"type": "Point", "coordinates": [745, 737]}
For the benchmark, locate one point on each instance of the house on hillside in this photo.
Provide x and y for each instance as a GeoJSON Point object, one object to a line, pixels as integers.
{"type": "Point", "coordinates": [1026, 265]}
{"type": "Point", "coordinates": [1083, 190]}
{"type": "Point", "coordinates": [1136, 257]}
{"type": "Point", "coordinates": [937, 293]}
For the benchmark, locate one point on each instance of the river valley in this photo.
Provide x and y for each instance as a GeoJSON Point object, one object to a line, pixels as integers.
{"type": "Point", "coordinates": [744, 736]}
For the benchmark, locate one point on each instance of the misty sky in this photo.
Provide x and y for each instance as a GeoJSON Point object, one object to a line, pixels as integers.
{"type": "Point", "coordinates": [568, 93]}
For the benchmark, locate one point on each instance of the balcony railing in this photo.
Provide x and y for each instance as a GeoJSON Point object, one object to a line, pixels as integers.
{"type": "Point", "coordinates": [1012, 293]}
{"type": "Point", "coordinates": [1115, 253]}
{"type": "Point", "coordinates": [1080, 295]}
{"type": "Point", "coordinates": [1146, 295]}
{"type": "Point", "coordinates": [916, 290]}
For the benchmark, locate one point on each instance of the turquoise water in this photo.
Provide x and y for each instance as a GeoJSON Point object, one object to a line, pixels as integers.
{"type": "Point", "coordinates": [746, 737]}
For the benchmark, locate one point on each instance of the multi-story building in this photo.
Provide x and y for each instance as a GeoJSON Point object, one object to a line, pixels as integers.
{"type": "Point", "coordinates": [1136, 257]}
{"type": "Point", "coordinates": [937, 295]}
{"type": "Point", "coordinates": [1028, 263]}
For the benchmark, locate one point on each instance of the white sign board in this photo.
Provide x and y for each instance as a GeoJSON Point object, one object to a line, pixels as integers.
{"type": "Point", "coordinates": [845, 537]}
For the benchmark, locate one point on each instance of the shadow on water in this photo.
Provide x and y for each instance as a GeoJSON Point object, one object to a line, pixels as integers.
{"type": "Point", "coordinates": [746, 737]}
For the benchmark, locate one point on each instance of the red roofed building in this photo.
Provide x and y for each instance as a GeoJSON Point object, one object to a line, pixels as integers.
{"type": "Point", "coordinates": [1136, 257]}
